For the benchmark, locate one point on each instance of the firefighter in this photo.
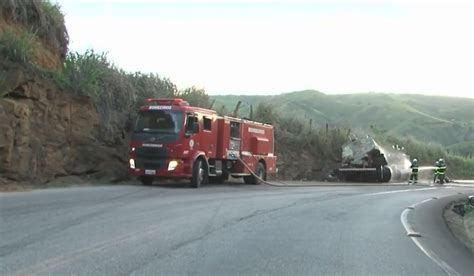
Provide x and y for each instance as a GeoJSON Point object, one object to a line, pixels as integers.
{"type": "Point", "coordinates": [441, 171]}
{"type": "Point", "coordinates": [436, 171]}
{"type": "Point", "coordinates": [414, 172]}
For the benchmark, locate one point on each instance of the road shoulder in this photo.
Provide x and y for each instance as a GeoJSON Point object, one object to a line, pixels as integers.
{"type": "Point", "coordinates": [428, 220]}
{"type": "Point", "coordinates": [461, 227]}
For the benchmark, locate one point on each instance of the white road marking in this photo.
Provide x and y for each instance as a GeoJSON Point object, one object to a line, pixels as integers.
{"type": "Point", "coordinates": [435, 258]}
{"type": "Point", "coordinates": [415, 235]}
{"type": "Point", "coordinates": [460, 185]}
{"type": "Point", "coordinates": [400, 191]}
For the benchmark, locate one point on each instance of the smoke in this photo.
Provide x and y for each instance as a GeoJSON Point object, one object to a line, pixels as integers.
{"type": "Point", "coordinates": [398, 162]}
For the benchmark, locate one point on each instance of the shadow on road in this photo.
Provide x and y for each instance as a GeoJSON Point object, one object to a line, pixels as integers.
{"type": "Point", "coordinates": [169, 184]}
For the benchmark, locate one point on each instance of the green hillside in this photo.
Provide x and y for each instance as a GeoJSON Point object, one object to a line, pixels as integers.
{"type": "Point", "coordinates": [443, 120]}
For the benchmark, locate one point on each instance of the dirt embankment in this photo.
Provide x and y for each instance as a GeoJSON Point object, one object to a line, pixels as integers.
{"type": "Point", "coordinates": [461, 226]}
{"type": "Point", "coordinates": [46, 133]}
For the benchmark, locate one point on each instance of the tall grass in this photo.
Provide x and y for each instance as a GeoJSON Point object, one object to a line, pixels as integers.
{"type": "Point", "coordinates": [3, 78]}
{"type": "Point", "coordinates": [16, 47]}
{"type": "Point", "coordinates": [41, 17]}
{"type": "Point", "coordinates": [116, 94]}
{"type": "Point", "coordinates": [428, 153]}
{"type": "Point", "coordinates": [304, 151]}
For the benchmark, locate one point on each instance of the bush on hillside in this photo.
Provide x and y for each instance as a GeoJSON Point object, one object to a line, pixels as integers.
{"type": "Point", "coordinates": [266, 113]}
{"type": "Point", "coordinates": [116, 93]}
{"type": "Point", "coordinates": [16, 47]}
{"type": "Point", "coordinates": [428, 153]}
{"type": "Point", "coordinates": [83, 73]}
{"type": "Point", "coordinates": [40, 17]}
{"type": "Point", "coordinates": [303, 152]}
{"type": "Point", "coordinates": [195, 96]}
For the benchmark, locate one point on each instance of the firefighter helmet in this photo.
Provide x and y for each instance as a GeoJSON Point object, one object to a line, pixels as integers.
{"type": "Point", "coordinates": [414, 161]}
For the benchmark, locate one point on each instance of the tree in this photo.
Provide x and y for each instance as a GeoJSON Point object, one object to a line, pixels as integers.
{"type": "Point", "coordinates": [195, 96]}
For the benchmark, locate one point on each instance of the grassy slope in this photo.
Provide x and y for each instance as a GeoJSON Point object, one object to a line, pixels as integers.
{"type": "Point", "coordinates": [442, 120]}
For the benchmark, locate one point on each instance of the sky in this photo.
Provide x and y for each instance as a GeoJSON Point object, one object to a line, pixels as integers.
{"type": "Point", "coordinates": [270, 47]}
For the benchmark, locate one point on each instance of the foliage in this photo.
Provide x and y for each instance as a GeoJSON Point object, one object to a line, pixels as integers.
{"type": "Point", "coordinates": [428, 153]}
{"type": "Point", "coordinates": [441, 120]}
{"type": "Point", "coordinates": [16, 47]}
{"type": "Point", "coordinates": [116, 93]}
{"type": "Point", "coordinates": [195, 96]}
{"type": "Point", "coordinates": [3, 78]}
{"type": "Point", "coordinates": [151, 85]}
{"type": "Point", "coordinates": [41, 17]}
{"type": "Point", "coordinates": [304, 151]}
{"type": "Point", "coordinates": [465, 149]}
{"type": "Point", "coordinates": [83, 73]}
{"type": "Point", "coordinates": [265, 113]}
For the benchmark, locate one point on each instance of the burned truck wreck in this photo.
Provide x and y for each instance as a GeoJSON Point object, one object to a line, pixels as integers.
{"type": "Point", "coordinates": [363, 160]}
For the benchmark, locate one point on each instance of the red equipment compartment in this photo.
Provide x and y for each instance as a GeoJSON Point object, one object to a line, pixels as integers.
{"type": "Point", "coordinates": [258, 138]}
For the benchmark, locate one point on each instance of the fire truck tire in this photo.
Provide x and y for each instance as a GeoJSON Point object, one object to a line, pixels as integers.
{"type": "Point", "coordinates": [199, 174]}
{"type": "Point", "coordinates": [260, 172]}
{"type": "Point", "coordinates": [146, 180]}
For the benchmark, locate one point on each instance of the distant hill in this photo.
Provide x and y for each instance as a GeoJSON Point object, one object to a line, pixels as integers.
{"type": "Point", "coordinates": [444, 120]}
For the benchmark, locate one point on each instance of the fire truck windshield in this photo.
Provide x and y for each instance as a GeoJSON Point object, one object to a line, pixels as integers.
{"type": "Point", "coordinates": [165, 121]}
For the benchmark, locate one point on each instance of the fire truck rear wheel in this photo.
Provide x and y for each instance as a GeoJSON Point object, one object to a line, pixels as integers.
{"type": "Point", "coordinates": [199, 174]}
{"type": "Point", "coordinates": [259, 172]}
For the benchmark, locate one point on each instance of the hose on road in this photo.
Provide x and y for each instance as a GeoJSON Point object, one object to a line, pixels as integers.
{"type": "Point", "coordinates": [280, 183]}
{"type": "Point", "coordinates": [283, 184]}
{"type": "Point", "coordinates": [258, 178]}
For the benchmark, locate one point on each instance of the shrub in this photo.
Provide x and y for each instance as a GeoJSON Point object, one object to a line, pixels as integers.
{"type": "Point", "coordinates": [195, 96]}
{"type": "Point", "coordinates": [428, 153]}
{"type": "Point", "coordinates": [3, 78]}
{"type": "Point", "coordinates": [16, 47]}
{"type": "Point", "coordinates": [116, 93]}
{"type": "Point", "coordinates": [40, 17]}
{"type": "Point", "coordinates": [266, 113]}
{"type": "Point", "coordinates": [83, 73]}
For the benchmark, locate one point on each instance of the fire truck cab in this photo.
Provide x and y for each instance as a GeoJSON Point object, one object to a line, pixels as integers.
{"type": "Point", "coordinates": [172, 139]}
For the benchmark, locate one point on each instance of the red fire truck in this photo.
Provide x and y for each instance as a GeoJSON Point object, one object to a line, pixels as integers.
{"type": "Point", "coordinates": [172, 139]}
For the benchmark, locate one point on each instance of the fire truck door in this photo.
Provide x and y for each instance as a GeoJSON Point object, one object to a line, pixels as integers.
{"type": "Point", "coordinates": [208, 136]}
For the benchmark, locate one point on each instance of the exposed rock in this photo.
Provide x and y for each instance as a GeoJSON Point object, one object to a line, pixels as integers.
{"type": "Point", "coordinates": [47, 133]}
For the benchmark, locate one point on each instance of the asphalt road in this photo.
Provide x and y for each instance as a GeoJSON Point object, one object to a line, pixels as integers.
{"type": "Point", "coordinates": [226, 230]}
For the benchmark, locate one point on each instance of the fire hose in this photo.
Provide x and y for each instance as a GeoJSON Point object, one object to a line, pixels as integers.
{"type": "Point", "coordinates": [281, 184]}
{"type": "Point", "coordinates": [260, 180]}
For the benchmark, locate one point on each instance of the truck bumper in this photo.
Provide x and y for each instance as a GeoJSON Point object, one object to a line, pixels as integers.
{"type": "Point", "coordinates": [182, 170]}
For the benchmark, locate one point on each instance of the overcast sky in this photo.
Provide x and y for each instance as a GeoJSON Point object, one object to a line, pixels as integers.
{"type": "Point", "coordinates": [269, 47]}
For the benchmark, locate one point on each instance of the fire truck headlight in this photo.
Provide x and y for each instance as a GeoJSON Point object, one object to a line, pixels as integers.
{"type": "Point", "coordinates": [132, 163]}
{"type": "Point", "coordinates": [172, 165]}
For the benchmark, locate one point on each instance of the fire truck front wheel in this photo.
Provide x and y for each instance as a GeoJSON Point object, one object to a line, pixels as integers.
{"type": "Point", "coordinates": [199, 174]}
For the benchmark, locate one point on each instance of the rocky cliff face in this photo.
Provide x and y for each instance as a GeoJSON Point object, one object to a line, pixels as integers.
{"type": "Point", "coordinates": [46, 133]}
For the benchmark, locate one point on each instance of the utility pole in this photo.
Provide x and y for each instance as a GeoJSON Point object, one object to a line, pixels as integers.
{"type": "Point", "coordinates": [236, 110]}
{"type": "Point", "coordinates": [212, 104]}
